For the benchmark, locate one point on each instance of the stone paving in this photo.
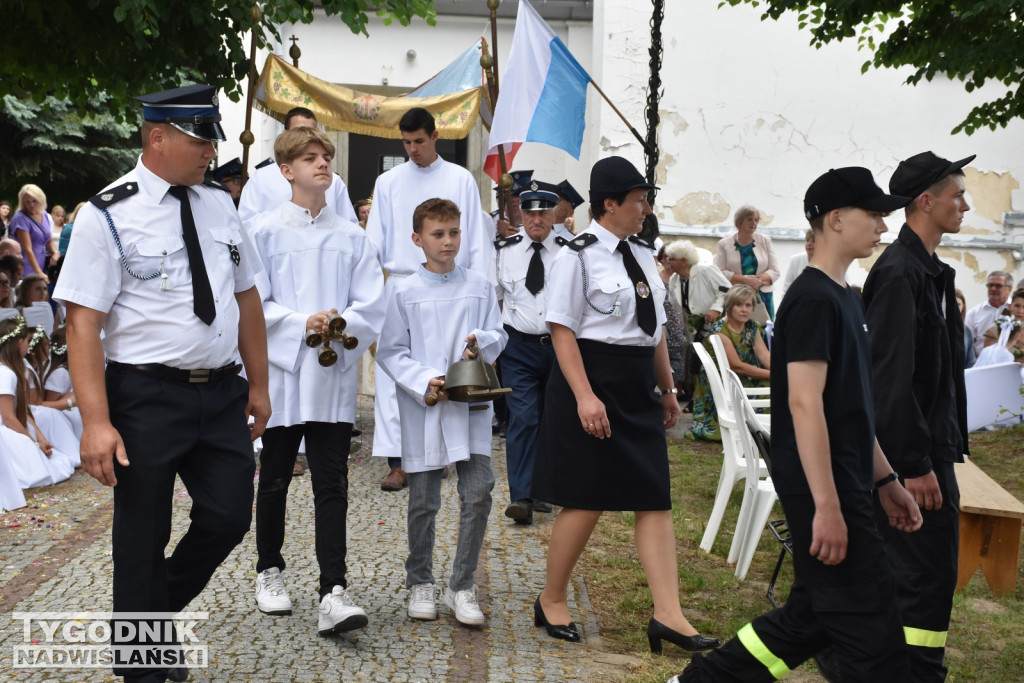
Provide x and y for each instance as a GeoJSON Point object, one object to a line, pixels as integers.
{"type": "Point", "coordinates": [55, 556]}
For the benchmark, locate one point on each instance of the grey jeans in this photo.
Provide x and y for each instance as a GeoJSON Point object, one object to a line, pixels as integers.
{"type": "Point", "coordinates": [475, 484]}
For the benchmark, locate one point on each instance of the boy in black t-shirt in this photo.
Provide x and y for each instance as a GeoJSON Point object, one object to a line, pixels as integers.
{"type": "Point", "coordinates": [826, 462]}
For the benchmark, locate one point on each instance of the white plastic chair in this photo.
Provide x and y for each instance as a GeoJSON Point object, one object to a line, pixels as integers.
{"type": "Point", "coordinates": [759, 494]}
{"type": "Point", "coordinates": [734, 465]}
{"type": "Point", "coordinates": [759, 396]}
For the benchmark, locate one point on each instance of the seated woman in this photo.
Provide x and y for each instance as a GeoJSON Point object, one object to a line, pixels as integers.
{"type": "Point", "coordinates": [748, 357]}
{"type": "Point", "coordinates": [35, 462]}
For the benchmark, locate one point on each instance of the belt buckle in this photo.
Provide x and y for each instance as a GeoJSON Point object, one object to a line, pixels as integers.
{"type": "Point", "coordinates": [544, 339]}
{"type": "Point", "coordinates": [198, 376]}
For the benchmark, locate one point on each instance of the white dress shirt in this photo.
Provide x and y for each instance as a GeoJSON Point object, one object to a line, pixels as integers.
{"type": "Point", "coordinates": [979, 319]}
{"type": "Point", "coordinates": [522, 310]}
{"type": "Point", "coordinates": [609, 289]}
{"type": "Point", "coordinates": [146, 323]}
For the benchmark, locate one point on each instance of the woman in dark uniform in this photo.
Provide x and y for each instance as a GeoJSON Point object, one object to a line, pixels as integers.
{"type": "Point", "coordinates": [602, 440]}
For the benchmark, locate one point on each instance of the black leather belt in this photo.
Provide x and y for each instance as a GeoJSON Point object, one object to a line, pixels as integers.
{"type": "Point", "coordinates": [542, 339]}
{"type": "Point", "coordinates": [177, 374]}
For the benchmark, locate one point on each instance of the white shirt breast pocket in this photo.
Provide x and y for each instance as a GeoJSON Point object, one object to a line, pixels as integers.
{"type": "Point", "coordinates": [226, 254]}
{"type": "Point", "coordinates": [161, 256]}
{"type": "Point", "coordinates": [611, 292]}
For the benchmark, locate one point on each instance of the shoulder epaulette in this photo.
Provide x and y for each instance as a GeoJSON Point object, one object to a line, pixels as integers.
{"type": "Point", "coordinates": [561, 241]}
{"type": "Point", "coordinates": [508, 241]}
{"type": "Point", "coordinates": [641, 241]}
{"type": "Point", "coordinates": [583, 241]}
{"type": "Point", "coordinates": [114, 195]}
{"type": "Point", "coordinates": [266, 162]}
{"type": "Point", "coordinates": [210, 182]}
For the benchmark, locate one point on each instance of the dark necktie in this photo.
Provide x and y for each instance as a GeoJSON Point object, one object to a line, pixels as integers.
{"type": "Point", "coordinates": [641, 289]}
{"type": "Point", "coordinates": [535, 273]}
{"type": "Point", "coordinates": [684, 289]}
{"type": "Point", "coordinates": [202, 295]}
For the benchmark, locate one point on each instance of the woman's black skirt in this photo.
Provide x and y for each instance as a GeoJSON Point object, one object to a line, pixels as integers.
{"type": "Point", "coordinates": [628, 471]}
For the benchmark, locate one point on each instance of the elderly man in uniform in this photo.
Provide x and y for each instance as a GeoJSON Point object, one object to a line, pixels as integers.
{"type": "Point", "coordinates": [267, 189]}
{"type": "Point", "coordinates": [163, 269]}
{"type": "Point", "coordinates": [522, 264]}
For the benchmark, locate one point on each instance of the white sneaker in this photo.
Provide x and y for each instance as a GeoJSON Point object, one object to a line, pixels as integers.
{"type": "Point", "coordinates": [421, 602]}
{"type": "Point", "coordinates": [339, 614]}
{"type": "Point", "coordinates": [271, 596]}
{"type": "Point", "coordinates": [464, 604]}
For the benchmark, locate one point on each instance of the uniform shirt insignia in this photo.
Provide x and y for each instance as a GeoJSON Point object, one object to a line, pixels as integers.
{"type": "Point", "coordinates": [266, 162]}
{"type": "Point", "coordinates": [583, 241]}
{"type": "Point", "coordinates": [236, 258]}
{"type": "Point", "coordinates": [641, 241]}
{"type": "Point", "coordinates": [642, 290]}
{"type": "Point", "coordinates": [113, 195]}
{"type": "Point", "coordinates": [561, 241]}
{"type": "Point", "coordinates": [507, 241]}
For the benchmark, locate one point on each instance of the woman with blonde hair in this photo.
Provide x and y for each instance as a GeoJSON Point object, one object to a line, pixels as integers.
{"type": "Point", "coordinates": [32, 227]}
{"type": "Point", "coordinates": [747, 353]}
{"type": "Point", "coordinates": [747, 257]}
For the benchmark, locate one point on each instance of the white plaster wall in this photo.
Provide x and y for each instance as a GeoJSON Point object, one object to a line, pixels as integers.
{"type": "Point", "coordinates": [752, 114]}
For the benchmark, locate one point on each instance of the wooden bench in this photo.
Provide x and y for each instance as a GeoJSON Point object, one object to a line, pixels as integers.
{"type": "Point", "coordinates": [990, 528]}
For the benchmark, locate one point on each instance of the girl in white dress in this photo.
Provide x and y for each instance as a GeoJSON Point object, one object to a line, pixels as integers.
{"type": "Point", "coordinates": [57, 389]}
{"type": "Point", "coordinates": [51, 416]}
{"type": "Point", "coordinates": [35, 461]}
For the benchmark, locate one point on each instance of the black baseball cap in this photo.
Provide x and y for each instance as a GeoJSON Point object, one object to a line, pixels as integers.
{"type": "Point", "coordinates": [848, 186]}
{"type": "Point", "coordinates": [916, 174]}
{"type": "Point", "coordinates": [614, 175]}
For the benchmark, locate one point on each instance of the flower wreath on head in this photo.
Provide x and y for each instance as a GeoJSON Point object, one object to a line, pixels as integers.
{"type": "Point", "coordinates": [19, 328]}
{"type": "Point", "coordinates": [37, 337]}
{"type": "Point", "coordinates": [55, 349]}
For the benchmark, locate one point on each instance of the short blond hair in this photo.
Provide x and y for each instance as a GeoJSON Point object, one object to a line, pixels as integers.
{"type": "Point", "coordinates": [33, 191]}
{"type": "Point", "coordinates": [292, 143]}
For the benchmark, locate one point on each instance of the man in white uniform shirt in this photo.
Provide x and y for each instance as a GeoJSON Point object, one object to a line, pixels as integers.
{"type": "Point", "coordinates": [396, 194]}
{"type": "Point", "coordinates": [267, 189]}
{"type": "Point", "coordinates": [522, 264]}
{"type": "Point", "coordinates": [999, 285]}
{"type": "Point", "coordinates": [162, 266]}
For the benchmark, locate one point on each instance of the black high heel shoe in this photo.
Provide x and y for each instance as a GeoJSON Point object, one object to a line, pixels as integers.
{"type": "Point", "coordinates": [657, 631]}
{"type": "Point", "coordinates": [570, 632]}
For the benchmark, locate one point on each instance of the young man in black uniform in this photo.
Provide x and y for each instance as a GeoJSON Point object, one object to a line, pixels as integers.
{"type": "Point", "coordinates": [917, 363]}
{"type": "Point", "coordinates": [825, 464]}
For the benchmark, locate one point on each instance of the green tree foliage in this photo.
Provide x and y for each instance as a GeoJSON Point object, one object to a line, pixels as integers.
{"type": "Point", "coordinates": [973, 41]}
{"type": "Point", "coordinates": [78, 50]}
{"type": "Point", "coordinates": [70, 156]}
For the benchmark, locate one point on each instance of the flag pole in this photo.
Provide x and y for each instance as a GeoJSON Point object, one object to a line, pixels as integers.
{"type": "Point", "coordinates": [611, 104]}
{"type": "Point", "coordinates": [489, 62]}
{"type": "Point", "coordinates": [247, 138]}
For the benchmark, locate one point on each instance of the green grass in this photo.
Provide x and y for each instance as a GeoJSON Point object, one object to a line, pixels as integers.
{"type": "Point", "coordinates": [986, 639]}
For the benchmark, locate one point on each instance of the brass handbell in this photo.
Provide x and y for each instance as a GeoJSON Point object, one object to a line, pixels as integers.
{"type": "Point", "coordinates": [327, 356]}
{"type": "Point", "coordinates": [472, 381]}
{"type": "Point", "coordinates": [336, 330]}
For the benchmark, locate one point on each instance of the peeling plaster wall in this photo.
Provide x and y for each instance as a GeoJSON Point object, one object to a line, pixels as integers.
{"type": "Point", "coordinates": [752, 114]}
